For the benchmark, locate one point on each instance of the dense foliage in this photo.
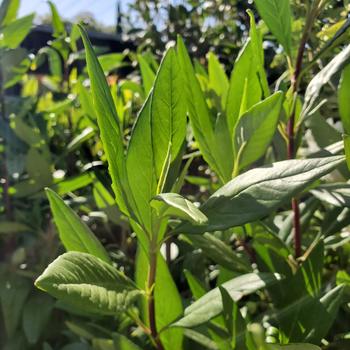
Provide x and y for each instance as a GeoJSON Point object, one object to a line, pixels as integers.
{"type": "Point", "coordinates": [180, 207]}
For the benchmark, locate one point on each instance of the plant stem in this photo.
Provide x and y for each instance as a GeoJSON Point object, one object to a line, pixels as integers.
{"type": "Point", "coordinates": [291, 149]}
{"type": "Point", "coordinates": [151, 302]}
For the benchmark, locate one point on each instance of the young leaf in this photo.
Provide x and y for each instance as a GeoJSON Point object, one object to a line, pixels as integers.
{"type": "Point", "coordinates": [248, 82]}
{"type": "Point", "coordinates": [178, 206]}
{"type": "Point", "coordinates": [88, 283]}
{"type": "Point", "coordinates": [8, 11]}
{"type": "Point", "coordinates": [107, 118]}
{"type": "Point", "coordinates": [147, 74]}
{"type": "Point", "coordinates": [210, 305]}
{"type": "Point", "coordinates": [255, 129]}
{"type": "Point", "coordinates": [217, 78]}
{"type": "Point", "coordinates": [277, 16]}
{"type": "Point", "coordinates": [57, 24]}
{"type": "Point", "coordinates": [258, 192]}
{"type": "Point", "coordinates": [343, 99]}
{"type": "Point", "coordinates": [74, 233]}
{"type": "Point", "coordinates": [168, 111]}
{"type": "Point", "coordinates": [14, 33]}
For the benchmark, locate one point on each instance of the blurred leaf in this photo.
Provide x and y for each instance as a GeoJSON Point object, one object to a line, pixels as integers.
{"type": "Point", "coordinates": [343, 99]}
{"type": "Point", "coordinates": [277, 16]}
{"type": "Point", "coordinates": [147, 74]}
{"type": "Point", "coordinates": [14, 33]}
{"type": "Point", "coordinates": [57, 23]}
{"type": "Point", "coordinates": [8, 11]}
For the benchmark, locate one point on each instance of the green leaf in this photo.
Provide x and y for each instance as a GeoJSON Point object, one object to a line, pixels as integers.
{"type": "Point", "coordinates": [147, 74]}
{"type": "Point", "coordinates": [277, 16]}
{"type": "Point", "coordinates": [14, 33]}
{"type": "Point", "coordinates": [123, 343]}
{"type": "Point", "coordinates": [168, 111]}
{"type": "Point", "coordinates": [8, 11]}
{"type": "Point", "coordinates": [173, 204]}
{"type": "Point", "coordinates": [323, 77]}
{"type": "Point", "coordinates": [107, 118]}
{"type": "Point", "coordinates": [140, 165]}
{"type": "Point", "coordinates": [258, 192]}
{"type": "Point", "coordinates": [88, 283]}
{"type": "Point", "coordinates": [217, 78]}
{"type": "Point", "coordinates": [248, 82]}
{"type": "Point", "coordinates": [255, 130]}
{"type": "Point", "coordinates": [210, 305]}
{"type": "Point", "coordinates": [36, 315]}
{"type": "Point", "coordinates": [196, 287]}
{"type": "Point", "coordinates": [164, 290]}
{"type": "Point", "coordinates": [346, 139]}
{"type": "Point", "coordinates": [343, 99]}
{"type": "Point", "coordinates": [201, 120]}
{"type": "Point", "coordinates": [57, 23]}
{"type": "Point", "coordinates": [337, 194]}
{"type": "Point", "coordinates": [219, 252]}
{"type": "Point", "coordinates": [74, 234]}
{"type": "Point", "coordinates": [111, 61]}
{"type": "Point", "coordinates": [14, 291]}
{"type": "Point", "coordinates": [7, 227]}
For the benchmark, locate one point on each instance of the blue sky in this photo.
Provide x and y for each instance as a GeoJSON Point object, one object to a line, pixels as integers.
{"type": "Point", "coordinates": [103, 10]}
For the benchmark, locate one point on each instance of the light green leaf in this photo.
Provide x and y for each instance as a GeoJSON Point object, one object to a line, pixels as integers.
{"type": "Point", "coordinates": [168, 111]}
{"type": "Point", "coordinates": [107, 118]}
{"type": "Point", "coordinates": [196, 287]}
{"type": "Point", "coordinates": [346, 140]}
{"type": "Point", "coordinates": [123, 343]}
{"type": "Point", "coordinates": [14, 33]}
{"type": "Point", "coordinates": [201, 120]}
{"type": "Point", "coordinates": [217, 78]}
{"type": "Point", "coordinates": [173, 204]}
{"type": "Point", "coordinates": [8, 227]}
{"type": "Point", "coordinates": [255, 130]}
{"type": "Point", "coordinates": [210, 305]}
{"type": "Point", "coordinates": [85, 135]}
{"type": "Point", "coordinates": [343, 99]}
{"type": "Point", "coordinates": [277, 16]}
{"type": "Point", "coordinates": [74, 233]}
{"type": "Point", "coordinates": [248, 82]}
{"type": "Point", "coordinates": [57, 23]}
{"type": "Point", "coordinates": [140, 165]}
{"type": "Point", "coordinates": [258, 192]}
{"type": "Point", "coordinates": [219, 252]}
{"type": "Point", "coordinates": [111, 61]}
{"type": "Point", "coordinates": [147, 74]}
{"type": "Point", "coordinates": [8, 11]}
{"type": "Point", "coordinates": [88, 283]}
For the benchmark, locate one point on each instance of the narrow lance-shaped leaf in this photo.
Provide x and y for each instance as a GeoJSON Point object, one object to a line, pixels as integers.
{"type": "Point", "coordinates": [57, 23]}
{"type": "Point", "coordinates": [8, 11]}
{"type": "Point", "coordinates": [168, 111]}
{"type": "Point", "coordinates": [74, 234]}
{"type": "Point", "coordinates": [258, 192]}
{"type": "Point", "coordinates": [147, 74]}
{"type": "Point", "coordinates": [210, 305]}
{"type": "Point", "coordinates": [255, 129]}
{"type": "Point", "coordinates": [88, 283]}
{"type": "Point", "coordinates": [201, 120]}
{"type": "Point", "coordinates": [110, 131]}
{"type": "Point", "coordinates": [140, 165]}
{"type": "Point", "coordinates": [277, 16]}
